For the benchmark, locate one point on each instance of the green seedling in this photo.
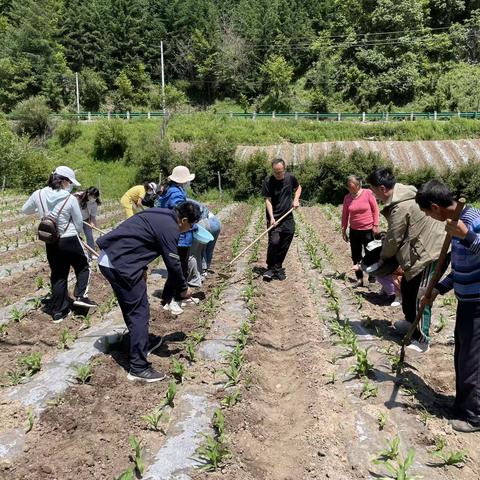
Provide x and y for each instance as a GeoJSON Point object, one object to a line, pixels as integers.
{"type": "Point", "coordinates": [219, 423]}
{"type": "Point", "coordinates": [154, 420]}
{"type": "Point", "coordinates": [233, 375]}
{"type": "Point", "coordinates": [231, 399]}
{"type": "Point", "coordinates": [126, 475]}
{"type": "Point", "coordinates": [66, 338]}
{"type": "Point", "coordinates": [334, 306]}
{"type": "Point", "coordinates": [425, 416]}
{"type": "Point", "coordinates": [86, 320]}
{"type": "Point", "coordinates": [333, 360]}
{"type": "Point", "coordinates": [15, 377]}
{"type": "Point", "coordinates": [391, 451]}
{"type": "Point", "coordinates": [190, 350]}
{"type": "Point", "coordinates": [197, 337]}
{"type": "Point", "coordinates": [408, 390]}
{"type": "Point", "coordinates": [359, 300]}
{"type": "Point", "coordinates": [241, 339]}
{"type": "Point", "coordinates": [236, 357]}
{"type": "Point", "coordinates": [369, 390]}
{"type": "Point", "coordinates": [39, 282]}
{"type": "Point", "coordinates": [400, 470]}
{"type": "Point", "coordinates": [440, 443]}
{"type": "Point", "coordinates": [58, 400]}
{"type": "Point", "coordinates": [31, 363]}
{"type": "Point", "coordinates": [178, 370]}
{"type": "Point", "coordinates": [362, 367]}
{"type": "Point", "coordinates": [30, 420]}
{"type": "Point", "coordinates": [83, 372]}
{"type": "Point", "coordinates": [212, 453]}
{"type": "Point", "coordinates": [245, 328]}
{"type": "Point", "coordinates": [138, 459]}
{"type": "Point", "coordinates": [382, 421]}
{"type": "Point", "coordinates": [3, 328]}
{"type": "Point", "coordinates": [442, 323]}
{"type": "Point", "coordinates": [170, 394]}
{"type": "Point", "coordinates": [454, 457]}
{"type": "Point", "coordinates": [16, 314]}
{"type": "Point", "coordinates": [35, 303]}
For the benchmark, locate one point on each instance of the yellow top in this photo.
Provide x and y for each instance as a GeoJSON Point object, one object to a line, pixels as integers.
{"type": "Point", "coordinates": [135, 193]}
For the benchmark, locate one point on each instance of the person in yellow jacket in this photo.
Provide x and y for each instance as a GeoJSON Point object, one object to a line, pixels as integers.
{"type": "Point", "coordinates": [132, 198]}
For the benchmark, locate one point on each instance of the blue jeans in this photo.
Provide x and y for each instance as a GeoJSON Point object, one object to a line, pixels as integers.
{"type": "Point", "coordinates": [89, 236]}
{"type": "Point", "coordinates": [215, 227]}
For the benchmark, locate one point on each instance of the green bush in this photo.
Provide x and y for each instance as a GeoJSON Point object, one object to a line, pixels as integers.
{"type": "Point", "coordinates": [249, 175]}
{"type": "Point", "coordinates": [110, 141]}
{"type": "Point", "coordinates": [22, 165]}
{"type": "Point", "coordinates": [465, 181]}
{"type": "Point", "coordinates": [153, 157]}
{"type": "Point", "coordinates": [208, 158]}
{"type": "Point", "coordinates": [67, 132]}
{"type": "Point", "coordinates": [32, 117]}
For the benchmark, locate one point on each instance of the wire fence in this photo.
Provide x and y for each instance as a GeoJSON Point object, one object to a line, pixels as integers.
{"type": "Point", "coordinates": [333, 117]}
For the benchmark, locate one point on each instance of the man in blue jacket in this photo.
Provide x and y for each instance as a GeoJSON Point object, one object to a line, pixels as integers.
{"type": "Point", "coordinates": [126, 252]}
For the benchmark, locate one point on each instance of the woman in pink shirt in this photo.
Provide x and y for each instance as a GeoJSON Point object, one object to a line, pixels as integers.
{"type": "Point", "coordinates": [360, 209]}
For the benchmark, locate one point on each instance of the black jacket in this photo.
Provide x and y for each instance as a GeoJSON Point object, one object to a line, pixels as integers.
{"type": "Point", "coordinates": [141, 239]}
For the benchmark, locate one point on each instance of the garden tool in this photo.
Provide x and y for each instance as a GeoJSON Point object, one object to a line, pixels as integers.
{"type": "Point", "coordinates": [431, 285]}
{"type": "Point", "coordinates": [224, 274]}
{"type": "Point", "coordinates": [90, 249]}
{"type": "Point", "coordinates": [94, 227]}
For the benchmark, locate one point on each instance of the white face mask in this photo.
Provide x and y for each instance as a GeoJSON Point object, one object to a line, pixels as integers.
{"type": "Point", "coordinates": [69, 187]}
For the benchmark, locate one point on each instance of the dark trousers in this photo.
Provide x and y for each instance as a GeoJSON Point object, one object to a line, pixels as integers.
{"type": "Point", "coordinates": [279, 240]}
{"type": "Point", "coordinates": [171, 289]}
{"type": "Point", "coordinates": [67, 252]}
{"type": "Point", "coordinates": [133, 302]}
{"type": "Point", "coordinates": [467, 362]}
{"type": "Point", "coordinates": [359, 239]}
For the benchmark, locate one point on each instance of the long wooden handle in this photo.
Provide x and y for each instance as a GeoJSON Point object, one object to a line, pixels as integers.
{"type": "Point", "coordinates": [436, 275]}
{"type": "Point", "coordinates": [260, 236]}
{"type": "Point", "coordinates": [94, 227]}
{"type": "Point", "coordinates": [90, 249]}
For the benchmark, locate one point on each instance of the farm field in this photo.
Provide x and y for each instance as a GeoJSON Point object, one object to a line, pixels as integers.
{"type": "Point", "coordinates": [296, 379]}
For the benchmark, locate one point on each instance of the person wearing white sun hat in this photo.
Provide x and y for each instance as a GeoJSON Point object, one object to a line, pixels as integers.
{"type": "Point", "coordinates": [173, 195]}
{"type": "Point", "coordinates": [55, 201]}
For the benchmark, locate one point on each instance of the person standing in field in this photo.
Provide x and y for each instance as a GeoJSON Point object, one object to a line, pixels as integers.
{"type": "Point", "coordinates": [281, 191]}
{"type": "Point", "coordinates": [360, 211]}
{"type": "Point", "coordinates": [436, 200]}
{"type": "Point", "coordinates": [89, 200]}
{"type": "Point", "coordinates": [132, 198]}
{"type": "Point", "coordinates": [415, 241]}
{"type": "Point", "coordinates": [173, 195]}
{"type": "Point", "coordinates": [56, 202]}
{"type": "Point", "coordinates": [125, 254]}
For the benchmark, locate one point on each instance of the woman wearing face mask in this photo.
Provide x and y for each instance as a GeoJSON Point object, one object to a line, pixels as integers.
{"type": "Point", "coordinates": [174, 194]}
{"type": "Point", "coordinates": [55, 200]}
{"type": "Point", "coordinates": [132, 199]}
{"type": "Point", "coordinates": [89, 200]}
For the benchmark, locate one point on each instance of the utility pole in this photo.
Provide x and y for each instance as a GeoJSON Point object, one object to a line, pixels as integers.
{"type": "Point", "coordinates": [78, 95]}
{"type": "Point", "coordinates": [163, 77]}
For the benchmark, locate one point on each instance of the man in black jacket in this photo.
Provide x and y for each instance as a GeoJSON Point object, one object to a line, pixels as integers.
{"type": "Point", "coordinates": [126, 252]}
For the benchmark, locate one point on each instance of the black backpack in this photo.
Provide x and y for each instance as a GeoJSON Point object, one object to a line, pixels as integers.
{"type": "Point", "coordinates": [47, 228]}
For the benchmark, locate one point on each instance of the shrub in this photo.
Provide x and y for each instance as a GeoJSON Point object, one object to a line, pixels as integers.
{"type": "Point", "coordinates": [174, 98]}
{"type": "Point", "coordinates": [249, 175]}
{"type": "Point", "coordinates": [92, 89]}
{"type": "Point", "coordinates": [32, 116]}
{"type": "Point", "coordinates": [67, 132]}
{"type": "Point", "coordinates": [465, 180]}
{"type": "Point", "coordinates": [110, 141]}
{"type": "Point", "coordinates": [210, 157]}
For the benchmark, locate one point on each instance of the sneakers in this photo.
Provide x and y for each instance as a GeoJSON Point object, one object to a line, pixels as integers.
{"type": "Point", "coordinates": [463, 426]}
{"type": "Point", "coordinates": [84, 302]}
{"type": "Point", "coordinates": [173, 307]}
{"type": "Point", "coordinates": [190, 301]}
{"type": "Point", "coordinates": [149, 375]}
{"type": "Point", "coordinates": [419, 347]}
{"type": "Point", "coordinates": [61, 316]}
{"type": "Point", "coordinates": [154, 343]}
{"type": "Point", "coordinates": [280, 274]}
{"type": "Point", "coordinates": [268, 275]}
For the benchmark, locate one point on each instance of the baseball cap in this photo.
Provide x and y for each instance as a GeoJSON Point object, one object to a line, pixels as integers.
{"type": "Point", "coordinates": [67, 172]}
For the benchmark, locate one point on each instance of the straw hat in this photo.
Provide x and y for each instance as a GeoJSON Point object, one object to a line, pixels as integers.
{"type": "Point", "coordinates": [181, 174]}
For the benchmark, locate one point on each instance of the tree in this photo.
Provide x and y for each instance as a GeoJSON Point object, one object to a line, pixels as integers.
{"type": "Point", "coordinates": [277, 76]}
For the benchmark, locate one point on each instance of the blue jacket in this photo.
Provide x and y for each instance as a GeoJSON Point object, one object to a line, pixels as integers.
{"type": "Point", "coordinates": [174, 195]}
{"type": "Point", "coordinates": [141, 239]}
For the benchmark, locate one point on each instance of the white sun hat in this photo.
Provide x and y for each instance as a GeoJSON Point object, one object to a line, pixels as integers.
{"type": "Point", "coordinates": [181, 174]}
{"type": "Point", "coordinates": [67, 172]}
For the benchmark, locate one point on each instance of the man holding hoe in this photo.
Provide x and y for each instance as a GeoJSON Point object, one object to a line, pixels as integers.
{"type": "Point", "coordinates": [278, 190]}
{"type": "Point", "coordinates": [436, 200]}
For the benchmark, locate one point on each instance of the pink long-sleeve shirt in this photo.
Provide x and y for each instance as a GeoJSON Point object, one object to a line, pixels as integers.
{"type": "Point", "coordinates": [362, 212]}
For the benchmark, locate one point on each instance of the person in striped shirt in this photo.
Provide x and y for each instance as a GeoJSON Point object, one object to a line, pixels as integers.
{"type": "Point", "coordinates": [436, 200]}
